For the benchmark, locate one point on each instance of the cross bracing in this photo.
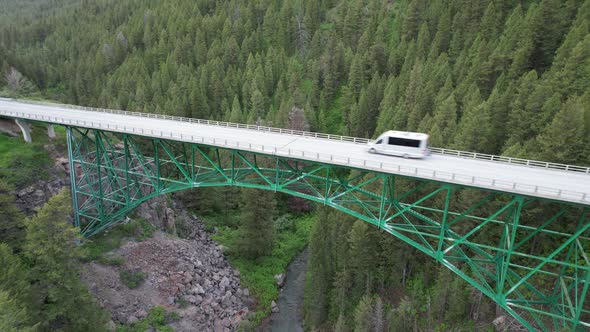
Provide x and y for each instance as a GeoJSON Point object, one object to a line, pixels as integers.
{"type": "Point", "coordinates": [533, 262]}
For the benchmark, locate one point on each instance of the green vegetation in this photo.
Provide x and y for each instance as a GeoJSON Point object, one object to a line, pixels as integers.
{"type": "Point", "coordinates": [22, 164]}
{"type": "Point", "coordinates": [258, 274]}
{"type": "Point", "coordinates": [158, 318]}
{"type": "Point", "coordinates": [131, 279]}
{"type": "Point", "coordinates": [40, 287]}
{"type": "Point", "coordinates": [105, 242]}
{"type": "Point", "coordinates": [256, 233]}
{"type": "Point", "coordinates": [111, 259]}
{"type": "Point", "coordinates": [12, 228]}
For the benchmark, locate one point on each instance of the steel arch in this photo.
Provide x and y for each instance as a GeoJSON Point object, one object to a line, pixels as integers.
{"type": "Point", "coordinates": [491, 241]}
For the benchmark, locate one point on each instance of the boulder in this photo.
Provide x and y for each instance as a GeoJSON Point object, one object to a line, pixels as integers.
{"type": "Point", "coordinates": [198, 289]}
{"type": "Point", "coordinates": [499, 323]}
{"type": "Point", "coordinates": [132, 320]}
{"type": "Point", "coordinates": [280, 278]}
{"type": "Point", "coordinates": [191, 299]}
{"type": "Point", "coordinates": [274, 307]}
{"type": "Point", "coordinates": [218, 326]}
{"type": "Point", "coordinates": [141, 314]}
{"type": "Point", "coordinates": [226, 299]}
{"type": "Point", "coordinates": [111, 326]}
{"type": "Point", "coordinates": [224, 283]}
{"type": "Point", "coordinates": [187, 277]}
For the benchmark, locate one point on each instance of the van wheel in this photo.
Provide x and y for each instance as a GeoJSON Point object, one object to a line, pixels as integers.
{"type": "Point", "coordinates": [372, 150]}
{"type": "Point", "coordinates": [406, 156]}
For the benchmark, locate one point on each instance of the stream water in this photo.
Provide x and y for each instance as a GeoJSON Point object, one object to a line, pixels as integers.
{"type": "Point", "coordinates": [290, 301]}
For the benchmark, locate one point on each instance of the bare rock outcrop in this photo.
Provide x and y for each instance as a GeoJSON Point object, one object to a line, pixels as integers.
{"type": "Point", "coordinates": [189, 276]}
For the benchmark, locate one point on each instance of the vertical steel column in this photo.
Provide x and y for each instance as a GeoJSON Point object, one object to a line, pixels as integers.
{"type": "Point", "coordinates": [585, 279]}
{"type": "Point", "coordinates": [100, 198]}
{"type": "Point", "coordinates": [73, 181]}
{"type": "Point", "coordinates": [155, 143]}
{"type": "Point", "coordinates": [127, 158]}
{"type": "Point", "coordinates": [443, 224]}
{"type": "Point", "coordinates": [504, 265]}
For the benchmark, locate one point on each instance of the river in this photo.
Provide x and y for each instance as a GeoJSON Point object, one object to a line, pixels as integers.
{"type": "Point", "coordinates": [290, 301]}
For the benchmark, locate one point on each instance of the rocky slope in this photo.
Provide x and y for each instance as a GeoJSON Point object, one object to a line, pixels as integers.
{"type": "Point", "coordinates": [189, 276]}
{"type": "Point", "coordinates": [32, 197]}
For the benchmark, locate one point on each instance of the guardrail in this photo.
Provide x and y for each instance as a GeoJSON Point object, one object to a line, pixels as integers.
{"type": "Point", "coordinates": [208, 122]}
{"type": "Point", "coordinates": [423, 173]}
{"type": "Point", "coordinates": [510, 160]}
{"type": "Point", "coordinates": [357, 140]}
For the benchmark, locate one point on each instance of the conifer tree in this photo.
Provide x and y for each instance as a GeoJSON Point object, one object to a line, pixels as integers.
{"type": "Point", "coordinates": [12, 229]}
{"type": "Point", "coordinates": [258, 209]}
{"type": "Point", "coordinates": [565, 139]}
{"type": "Point", "coordinates": [13, 281]}
{"type": "Point", "coordinates": [363, 315]}
{"type": "Point", "coordinates": [236, 111]}
{"type": "Point", "coordinates": [59, 297]}
{"type": "Point", "coordinates": [341, 324]}
{"type": "Point", "coordinates": [12, 316]}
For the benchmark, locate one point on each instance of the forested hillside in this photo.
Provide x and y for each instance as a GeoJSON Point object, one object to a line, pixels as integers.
{"type": "Point", "coordinates": [493, 76]}
{"type": "Point", "coordinates": [490, 76]}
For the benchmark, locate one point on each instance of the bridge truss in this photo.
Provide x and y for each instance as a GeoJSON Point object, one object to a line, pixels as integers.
{"type": "Point", "coordinates": [529, 255]}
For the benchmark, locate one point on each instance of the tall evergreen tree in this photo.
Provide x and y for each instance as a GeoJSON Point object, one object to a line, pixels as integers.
{"type": "Point", "coordinates": [59, 297]}
{"type": "Point", "coordinates": [566, 138]}
{"type": "Point", "coordinates": [12, 229]}
{"type": "Point", "coordinates": [258, 209]}
{"type": "Point", "coordinates": [12, 316]}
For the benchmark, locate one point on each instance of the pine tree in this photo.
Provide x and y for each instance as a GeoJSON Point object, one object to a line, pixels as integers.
{"type": "Point", "coordinates": [363, 315]}
{"type": "Point", "coordinates": [564, 139]}
{"type": "Point", "coordinates": [411, 23]}
{"type": "Point", "coordinates": [12, 316]}
{"type": "Point", "coordinates": [458, 300]}
{"type": "Point", "coordinates": [12, 227]}
{"type": "Point", "coordinates": [320, 268]}
{"type": "Point", "coordinates": [473, 129]}
{"type": "Point", "coordinates": [444, 122]}
{"type": "Point", "coordinates": [363, 262]}
{"type": "Point", "coordinates": [341, 324]}
{"type": "Point", "coordinates": [60, 298]}
{"type": "Point", "coordinates": [236, 111]}
{"type": "Point", "coordinates": [13, 280]}
{"type": "Point", "coordinates": [403, 318]}
{"type": "Point", "coordinates": [256, 229]}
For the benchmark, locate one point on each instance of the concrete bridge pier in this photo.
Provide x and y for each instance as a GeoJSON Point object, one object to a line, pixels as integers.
{"type": "Point", "coordinates": [12, 127]}
{"type": "Point", "coordinates": [25, 127]}
{"type": "Point", "coordinates": [50, 131]}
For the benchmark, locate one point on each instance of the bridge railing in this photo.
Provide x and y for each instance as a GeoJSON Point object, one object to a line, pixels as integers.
{"type": "Point", "coordinates": [368, 164]}
{"type": "Point", "coordinates": [510, 160]}
{"type": "Point", "coordinates": [342, 138]}
{"type": "Point", "coordinates": [357, 140]}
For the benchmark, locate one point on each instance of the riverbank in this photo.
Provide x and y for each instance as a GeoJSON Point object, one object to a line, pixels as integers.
{"type": "Point", "coordinates": [259, 275]}
{"type": "Point", "coordinates": [289, 318]}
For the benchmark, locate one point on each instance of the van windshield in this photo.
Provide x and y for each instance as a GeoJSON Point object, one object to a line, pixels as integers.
{"type": "Point", "coordinates": [412, 143]}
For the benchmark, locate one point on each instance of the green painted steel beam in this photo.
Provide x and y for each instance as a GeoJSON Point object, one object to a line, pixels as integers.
{"type": "Point", "coordinates": [486, 241]}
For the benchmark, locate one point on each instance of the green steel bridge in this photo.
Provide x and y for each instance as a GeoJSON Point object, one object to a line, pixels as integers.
{"type": "Point", "coordinates": [516, 230]}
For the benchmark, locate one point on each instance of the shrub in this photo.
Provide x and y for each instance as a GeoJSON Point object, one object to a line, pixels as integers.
{"type": "Point", "coordinates": [131, 279]}
{"type": "Point", "coordinates": [112, 260]}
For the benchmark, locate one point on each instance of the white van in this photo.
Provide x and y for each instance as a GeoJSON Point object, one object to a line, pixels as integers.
{"type": "Point", "coordinates": [401, 143]}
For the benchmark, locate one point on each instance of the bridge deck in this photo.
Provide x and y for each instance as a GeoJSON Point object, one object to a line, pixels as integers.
{"type": "Point", "coordinates": [570, 186]}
